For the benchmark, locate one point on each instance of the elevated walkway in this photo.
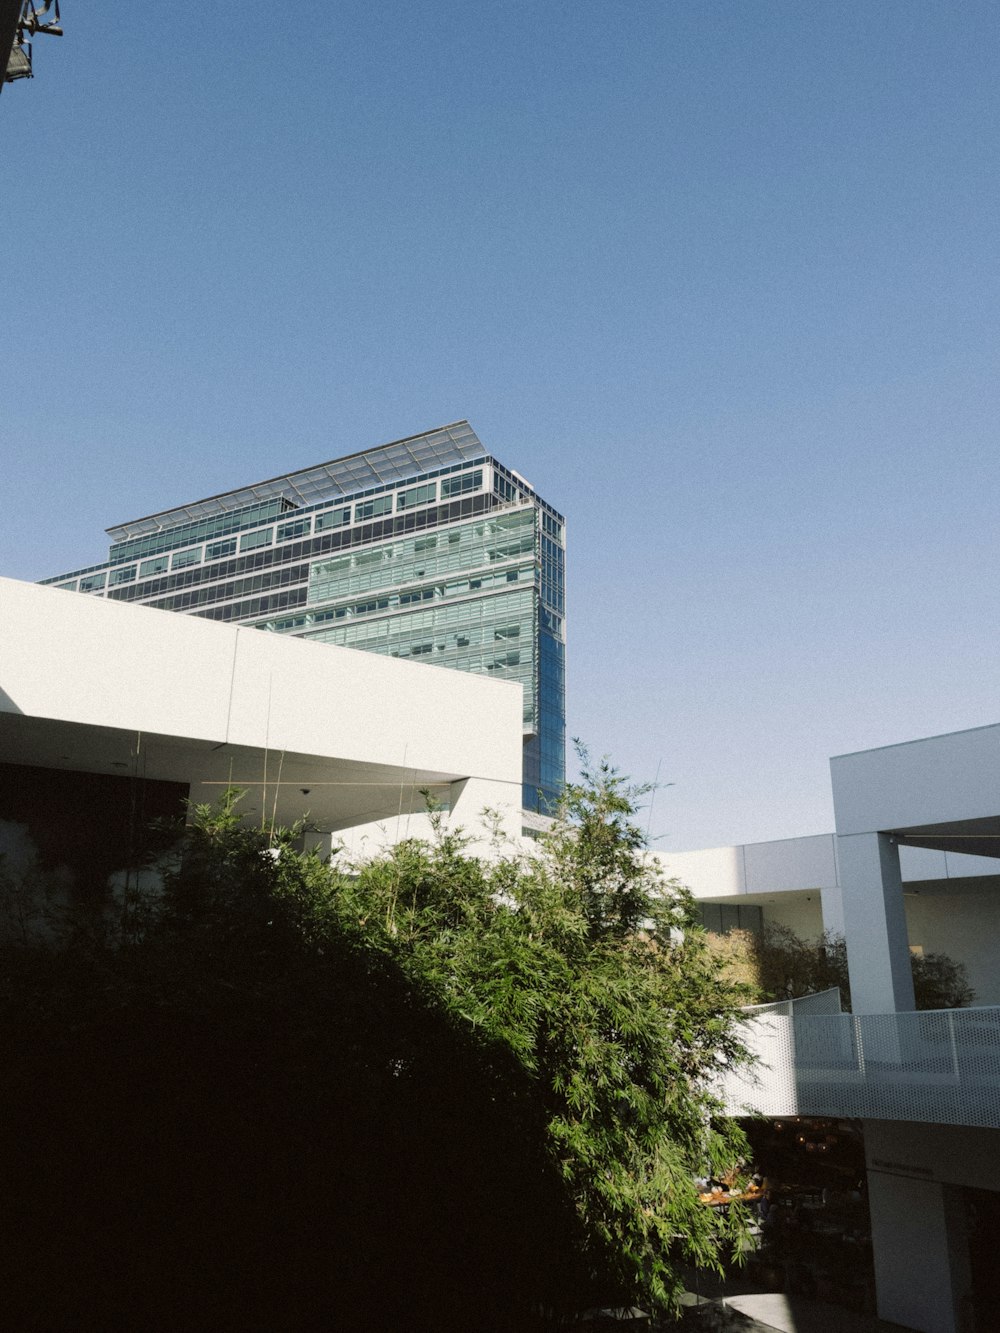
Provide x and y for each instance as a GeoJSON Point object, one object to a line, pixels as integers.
{"type": "Point", "coordinates": [939, 1067]}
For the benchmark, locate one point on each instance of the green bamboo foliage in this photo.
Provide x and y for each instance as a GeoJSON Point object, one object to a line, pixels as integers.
{"type": "Point", "coordinates": [594, 973]}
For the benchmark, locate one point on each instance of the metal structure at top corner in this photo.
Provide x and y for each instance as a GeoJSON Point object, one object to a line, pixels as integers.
{"type": "Point", "coordinates": [20, 20]}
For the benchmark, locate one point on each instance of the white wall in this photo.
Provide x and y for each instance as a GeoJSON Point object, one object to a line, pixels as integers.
{"type": "Point", "coordinates": [761, 867]}
{"type": "Point", "coordinates": [801, 912]}
{"type": "Point", "coordinates": [778, 876]}
{"type": "Point", "coordinates": [791, 863]}
{"type": "Point", "coordinates": [469, 802]}
{"type": "Point", "coordinates": [714, 872]}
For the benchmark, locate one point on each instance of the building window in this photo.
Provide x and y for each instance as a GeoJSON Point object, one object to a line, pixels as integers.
{"type": "Point", "coordinates": [219, 550]}
{"type": "Point", "coordinates": [333, 518]}
{"type": "Point", "coordinates": [417, 495]}
{"type": "Point", "coordinates": [551, 527]}
{"type": "Point", "coordinates": [253, 539]}
{"type": "Point", "coordinates": [158, 565]}
{"type": "Point", "coordinates": [182, 559]}
{"type": "Point", "coordinates": [297, 529]}
{"type": "Point", "coordinates": [721, 918]}
{"type": "Point", "coordinates": [93, 582]}
{"type": "Point", "coordinates": [372, 508]}
{"type": "Point", "coordinates": [422, 595]}
{"type": "Point", "coordinates": [124, 575]}
{"type": "Point", "coordinates": [465, 481]}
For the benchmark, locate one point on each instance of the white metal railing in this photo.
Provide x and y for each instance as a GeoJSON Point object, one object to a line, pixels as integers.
{"type": "Point", "coordinates": [940, 1066]}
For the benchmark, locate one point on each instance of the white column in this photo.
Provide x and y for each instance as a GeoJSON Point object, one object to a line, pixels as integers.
{"type": "Point", "coordinates": [920, 1250]}
{"type": "Point", "coordinates": [832, 902]}
{"type": "Point", "coordinates": [878, 950]}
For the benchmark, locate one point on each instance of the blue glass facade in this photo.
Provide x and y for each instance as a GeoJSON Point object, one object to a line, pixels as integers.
{"type": "Point", "coordinates": [427, 548]}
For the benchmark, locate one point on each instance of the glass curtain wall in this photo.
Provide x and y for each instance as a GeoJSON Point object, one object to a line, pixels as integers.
{"type": "Point", "coordinates": [426, 548]}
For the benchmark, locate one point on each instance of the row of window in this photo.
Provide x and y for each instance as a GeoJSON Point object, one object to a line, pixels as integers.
{"type": "Point", "coordinates": [348, 539]}
{"type": "Point", "coordinates": [721, 918]}
{"type": "Point", "coordinates": [416, 495]}
{"type": "Point", "coordinates": [544, 773]}
{"type": "Point", "coordinates": [504, 487]}
{"type": "Point", "coordinates": [217, 526]}
{"type": "Point", "coordinates": [256, 606]}
{"type": "Point", "coordinates": [333, 518]}
{"type": "Point", "coordinates": [476, 582]}
{"type": "Point", "coordinates": [504, 608]}
{"type": "Point", "coordinates": [463, 482]}
{"type": "Point", "coordinates": [458, 654]}
{"type": "Point", "coordinates": [549, 621]}
{"type": "Point", "coordinates": [275, 578]}
{"type": "Point", "coordinates": [350, 610]}
{"type": "Point", "coordinates": [284, 532]}
{"type": "Point", "coordinates": [468, 546]}
{"type": "Point", "coordinates": [488, 665]}
{"type": "Point", "coordinates": [451, 487]}
{"type": "Point", "coordinates": [553, 565]}
{"type": "Point", "coordinates": [281, 577]}
{"type": "Point", "coordinates": [184, 559]}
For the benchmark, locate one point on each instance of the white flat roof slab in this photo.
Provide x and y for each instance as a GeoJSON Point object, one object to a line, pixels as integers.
{"type": "Point", "coordinates": [68, 657]}
{"type": "Point", "coordinates": [937, 780]}
{"type": "Point", "coordinates": [99, 686]}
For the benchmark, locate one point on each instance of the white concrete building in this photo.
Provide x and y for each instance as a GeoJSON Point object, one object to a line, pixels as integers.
{"type": "Point", "coordinates": [914, 864]}
{"type": "Point", "coordinates": [349, 739]}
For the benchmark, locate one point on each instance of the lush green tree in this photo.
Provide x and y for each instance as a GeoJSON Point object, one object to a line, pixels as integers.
{"type": "Point", "coordinates": [595, 974]}
{"type": "Point", "coordinates": [940, 982]}
{"type": "Point", "coordinates": [432, 1091]}
{"type": "Point", "coordinates": [776, 964]}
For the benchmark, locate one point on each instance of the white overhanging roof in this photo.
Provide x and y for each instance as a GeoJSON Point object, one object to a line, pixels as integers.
{"type": "Point", "coordinates": [109, 687]}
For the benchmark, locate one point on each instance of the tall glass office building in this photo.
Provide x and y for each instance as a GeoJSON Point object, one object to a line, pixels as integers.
{"type": "Point", "coordinates": [425, 548]}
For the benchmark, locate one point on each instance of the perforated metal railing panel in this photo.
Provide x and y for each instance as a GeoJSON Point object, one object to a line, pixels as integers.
{"type": "Point", "coordinates": [939, 1067]}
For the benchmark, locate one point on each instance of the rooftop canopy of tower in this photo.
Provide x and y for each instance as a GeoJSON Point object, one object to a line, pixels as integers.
{"type": "Point", "coordinates": [383, 465]}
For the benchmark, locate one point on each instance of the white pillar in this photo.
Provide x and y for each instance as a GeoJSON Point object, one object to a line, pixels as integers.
{"type": "Point", "coordinates": [832, 902]}
{"type": "Point", "coordinates": [878, 949]}
{"type": "Point", "coordinates": [920, 1250]}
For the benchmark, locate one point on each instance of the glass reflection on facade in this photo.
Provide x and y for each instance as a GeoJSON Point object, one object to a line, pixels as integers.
{"type": "Point", "coordinates": [427, 549]}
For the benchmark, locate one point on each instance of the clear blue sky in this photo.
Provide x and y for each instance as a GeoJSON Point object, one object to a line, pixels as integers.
{"type": "Point", "coordinates": [718, 276]}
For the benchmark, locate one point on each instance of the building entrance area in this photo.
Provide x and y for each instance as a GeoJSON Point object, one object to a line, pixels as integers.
{"type": "Point", "coordinates": [814, 1235]}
